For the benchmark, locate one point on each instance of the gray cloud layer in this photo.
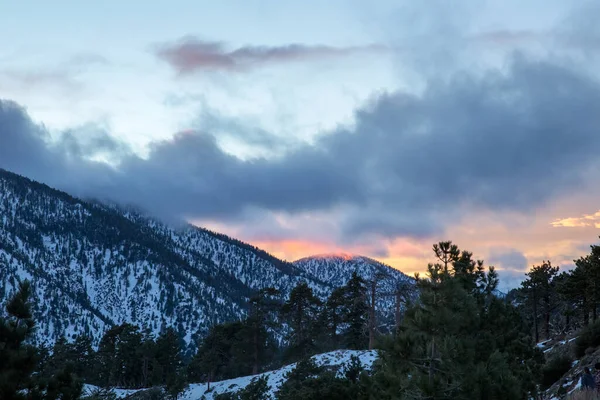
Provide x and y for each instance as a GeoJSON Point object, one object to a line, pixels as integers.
{"type": "Point", "coordinates": [509, 141]}
{"type": "Point", "coordinates": [189, 55]}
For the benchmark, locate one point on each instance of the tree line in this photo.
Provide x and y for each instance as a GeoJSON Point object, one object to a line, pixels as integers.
{"type": "Point", "coordinates": [306, 324]}
{"type": "Point", "coordinates": [128, 357]}
{"type": "Point", "coordinates": [557, 303]}
{"type": "Point", "coordinates": [456, 339]}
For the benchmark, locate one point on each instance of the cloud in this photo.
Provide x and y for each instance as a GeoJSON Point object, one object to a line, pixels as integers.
{"type": "Point", "coordinates": [578, 31]}
{"type": "Point", "coordinates": [90, 141]}
{"type": "Point", "coordinates": [578, 222]}
{"type": "Point", "coordinates": [565, 40]}
{"type": "Point", "coordinates": [34, 79]}
{"type": "Point", "coordinates": [410, 166]}
{"type": "Point", "coordinates": [26, 148]}
{"type": "Point", "coordinates": [244, 132]}
{"type": "Point", "coordinates": [510, 279]}
{"type": "Point", "coordinates": [508, 37]}
{"type": "Point", "coordinates": [189, 55]}
{"type": "Point", "coordinates": [511, 265]}
{"type": "Point", "coordinates": [508, 259]}
{"type": "Point", "coordinates": [64, 76]}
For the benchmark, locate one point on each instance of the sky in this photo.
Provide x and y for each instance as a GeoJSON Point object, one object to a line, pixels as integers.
{"type": "Point", "coordinates": [375, 128]}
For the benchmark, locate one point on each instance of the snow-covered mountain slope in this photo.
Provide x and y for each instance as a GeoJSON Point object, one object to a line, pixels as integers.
{"type": "Point", "coordinates": [335, 360]}
{"type": "Point", "coordinates": [336, 269]}
{"type": "Point", "coordinates": [94, 265]}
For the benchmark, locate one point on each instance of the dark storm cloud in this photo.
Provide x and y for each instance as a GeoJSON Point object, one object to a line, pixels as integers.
{"type": "Point", "coordinates": [90, 140]}
{"type": "Point", "coordinates": [22, 143]}
{"type": "Point", "coordinates": [503, 141]}
{"type": "Point", "coordinates": [189, 55]}
{"type": "Point", "coordinates": [26, 148]}
{"type": "Point", "coordinates": [197, 178]}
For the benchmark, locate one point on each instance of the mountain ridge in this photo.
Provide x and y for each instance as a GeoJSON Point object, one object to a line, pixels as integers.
{"type": "Point", "coordinates": [95, 265]}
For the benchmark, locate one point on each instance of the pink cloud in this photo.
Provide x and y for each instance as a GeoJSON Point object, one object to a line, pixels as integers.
{"type": "Point", "coordinates": [190, 55]}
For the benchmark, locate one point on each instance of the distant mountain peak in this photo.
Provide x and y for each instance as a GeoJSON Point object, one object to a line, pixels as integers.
{"type": "Point", "coordinates": [337, 268]}
{"type": "Point", "coordinates": [333, 256]}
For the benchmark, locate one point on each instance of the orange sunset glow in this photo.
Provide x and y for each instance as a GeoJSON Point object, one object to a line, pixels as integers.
{"type": "Point", "coordinates": [550, 234]}
{"type": "Point", "coordinates": [316, 141]}
{"type": "Point", "coordinates": [283, 199]}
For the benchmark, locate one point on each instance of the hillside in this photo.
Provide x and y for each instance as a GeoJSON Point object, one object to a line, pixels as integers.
{"type": "Point", "coordinates": [95, 265]}
{"type": "Point", "coordinates": [565, 362]}
{"type": "Point", "coordinates": [334, 360]}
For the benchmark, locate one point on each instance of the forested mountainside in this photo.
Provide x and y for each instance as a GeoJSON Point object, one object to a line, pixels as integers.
{"type": "Point", "coordinates": [94, 265]}
{"type": "Point", "coordinates": [390, 285]}
{"type": "Point", "coordinates": [336, 268]}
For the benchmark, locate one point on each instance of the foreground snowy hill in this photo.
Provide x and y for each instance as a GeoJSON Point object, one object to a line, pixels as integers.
{"type": "Point", "coordinates": [335, 360]}
{"type": "Point", "coordinates": [93, 265]}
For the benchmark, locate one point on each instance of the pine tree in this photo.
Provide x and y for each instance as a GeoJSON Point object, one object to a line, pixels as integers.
{"type": "Point", "coordinates": [294, 380]}
{"type": "Point", "coordinates": [373, 293]}
{"type": "Point", "coordinates": [301, 311]}
{"type": "Point", "coordinates": [105, 365]}
{"type": "Point", "coordinates": [576, 289]}
{"type": "Point", "coordinates": [262, 309]}
{"type": "Point", "coordinates": [257, 389]}
{"type": "Point", "coordinates": [168, 355]}
{"type": "Point", "coordinates": [591, 265]}
{"type": "Point", "coordinates": [176, 384]}
{"type": "Point", "coordinates": [64, 385]}
{"type": "Point", "coordinates": [403, 293]}
{"type": "Point", "coordinates": [151, 372]}
{"type": "Point", "coordinates": [447, 253]}
{"type": "Point", "coordinates": [129, 373]}
{"type": "Point", "coordinates": [83, 354]}
{"type": "Point", "coordinates": [332, 318]}
{"type": "Point", "coordinates": [541, 289]}
{"type": "Point", "coordinates": [569, 296]}
{"type": "Point", "coordinates": [357, 313]}
{"type": "Point", "coordinates": [307, 381]}
{"type": "Point", "coordinates": [118, 360]}
{"type": "Point", "coordinates": [458, 341]}
{"type": "Point", "coordinates": [62, 353]}
{"type": "Point", "coordinates": [17, 359]}
{"type": "Point", "coordinates": [214, 355]}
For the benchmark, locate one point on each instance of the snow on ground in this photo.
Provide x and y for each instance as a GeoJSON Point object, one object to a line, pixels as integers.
{"type": "Point", "coordinates": [121, 393]}
{"type": "Point", "coordinates": [276, 378]}
{"type": "Point", "coordinates": [543, 343]}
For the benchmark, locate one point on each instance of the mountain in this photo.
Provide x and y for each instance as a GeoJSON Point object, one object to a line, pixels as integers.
{"type": "Point", "coordinates": [388, 282]}
{"type": "Point", "coordinates": [94, 265]}
{"type": "Point", "coordinates": [336, 268]}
